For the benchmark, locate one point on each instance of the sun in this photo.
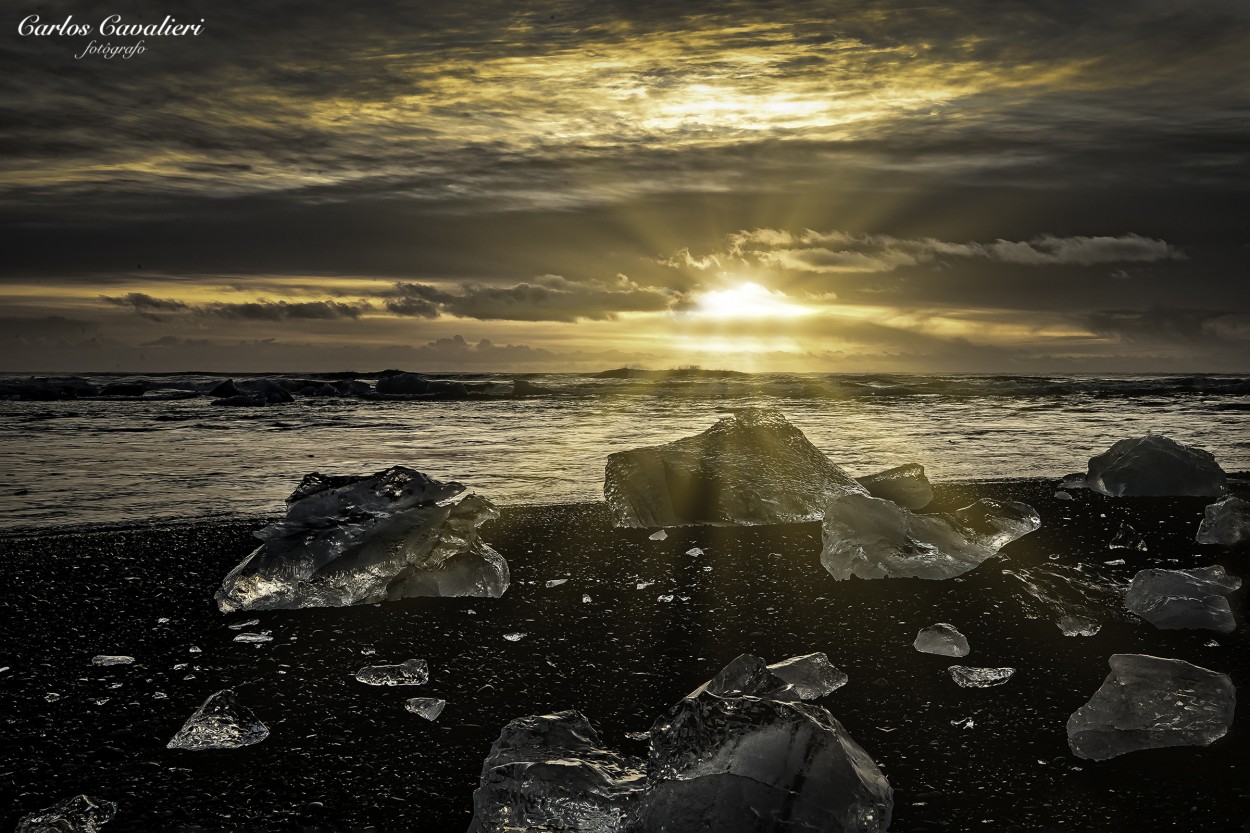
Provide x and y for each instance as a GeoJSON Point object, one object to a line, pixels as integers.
{"type": "Point", "coordinates": [747, 300]}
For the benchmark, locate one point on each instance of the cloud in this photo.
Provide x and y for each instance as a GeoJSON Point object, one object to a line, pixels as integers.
{"type": "Point", "coordinates": [287, 310]}
{"type": "Point", "coordinates": [146, 305]}
{"type": "Point", "coordinates": [546, 298]}
{"type": "Point", "coordinates": [1172, 325]}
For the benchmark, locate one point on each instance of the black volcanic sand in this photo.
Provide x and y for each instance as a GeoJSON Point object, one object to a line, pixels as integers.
{"type": "Point", "coordinates": [346, 756]}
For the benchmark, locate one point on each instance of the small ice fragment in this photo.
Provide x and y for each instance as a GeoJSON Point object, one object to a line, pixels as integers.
{"type": "Point", "coordinates": [694, 552]}
{"type": "Point", "coordinates": [368, 652]}
{"type": "Point", "coordinates": [1078, 626]}
{"type": "Point", "coordinates": [966, 677]}
{"type": "Point", "coordinates": [812, 675]}
{"type": "Point", "coordinates": [194, 649]}
{"type": "Point", "coordinates": [963, 723]}
{"type": "Point", "coordinates": [1115, 562]}
{"type": "Point", "coordinates": [515, 637]}
{"type": "Point", "coordinates": [159, 695]}
{"type": "Point", "coordinates": [79, 814]}
{"type": "Point", "coordinates": [178, 666]}
{"type": "Point", "coordinates": [1074, 481]}
{"type": "Point", "coordinates": [3, 668]}
{"type": "Point", "coordinates": [1225, 523]}
{"type": "Point", "coordinates": [412, 672]}
{"type": "Point", "coordinates": [638, 735]}
{"type": "Point", "coordinates": [100, 701]}
{"type": "Point", "coordinates": [556, 582]}
{"type": "Point", "coordinates": [263, 636]}
{"type": "Point", "coordinates": [428, 707]}
{"type": "Point", "coordinates": [643, 585]}
{"type": "Point", "coordinates": [667, 597]}
{"type": "Point", "coordinates": [238, 626]}
{"type": "Point", "coordinates": [111, 659]}
{"type": "Point", "coordinates": [1128, 539]}
{"type": "Point", "coordinates": [1210, 643]}
{"type": "Point", "coordinates": [52, 697]}
{"type": "Point", "coordinates": [1062, 495]}
{"type": "Point", "coordinates": [707, 569]}
{"type": "Point", "coordinates": [586, 599]}
{"type": "Point", "coordinates": [222, 722]}
{"type": "Point", "coordinates": [658, 536]}
{"type": "Point", "coordinates": [943, 639]}
{"type": "Point", "coordinates": [164, 620]}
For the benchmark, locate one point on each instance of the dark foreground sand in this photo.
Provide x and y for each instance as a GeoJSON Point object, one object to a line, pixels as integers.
{"type": "Point", "coordinates": [343, 756]}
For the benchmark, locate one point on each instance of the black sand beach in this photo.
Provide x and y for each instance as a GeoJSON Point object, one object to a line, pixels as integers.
{"type": "Point", "coordinates": [343, 756]}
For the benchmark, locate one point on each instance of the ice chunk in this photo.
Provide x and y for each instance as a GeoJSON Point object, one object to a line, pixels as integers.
{"type": "Point", "coordinates": [1127, 538]}
{"type": "Point", "coordinates": [942, 639]}
{"type": "Point", "coordinates": [112, 659]}
{"type": "Point", "coordinates": [515, 637]}
{"type": "Point", "coordinates": [222, 722]}
{"type": "Point", "coordinates": [873, 538]}
{"type": "Point", "coordinates": [1078, 626]}
{"type": "Point", "coordinates": [1077, 598]}
{"type": "Point", "coordinates": [750, 468]}
{"type": "Point", "coordinates": [79, 814]}
{"type": "Point", "coordinates": [1074, 481]}
{"type": "Point", "coordinates": [358, 540]}
{"type": "Point", "coordinates": [1155, 465]}
{"type": "Point", "coordinates": [752, 759]}
{"type": "Point", "coordinates": [1062, 495]}
{"type": "Point", "coordinates": [1226, 523]}
{"type": "Point", "coordinates": [966, 677]}
{"type": "Point", "coordinates": [812, 675]}
{"type": "Point", "coordinates": [549, 772]}
{"type": "Point", "coordinates": [263, 636]}
{"type": "Point", "coordinates": [905, 485]}
{"type": "Point", "coordinates": [412, 672]}
{"type": "Point", "coordinates": [694, 552]}
{"type": "Point", "coordinates": [238, 626]}
{"type": "Point", "coordinates": [428, 707]}
{"type": "Point", "coordinates": [1173, 599]}
{"type": "Point", "coordinates": [658, 536]}
{"type": "Point", "coordinates": [555, 582]}
{"type": "Point", "coordinates": [1148, 702]}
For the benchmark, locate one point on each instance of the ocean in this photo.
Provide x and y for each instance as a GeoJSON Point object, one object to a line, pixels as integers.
{"type": "Point", "coordinates": [134, 460]}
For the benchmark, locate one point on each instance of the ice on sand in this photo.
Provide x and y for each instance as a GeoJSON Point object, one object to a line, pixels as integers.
{"type": "Point", "coordinates": [222, 722]}
{"type": "Point", "coordinates": [873, 538]}
{"type": "Point", "coordinates": [1173, 599]}
{"type": "Point", "coordinates": [905, 485]}
{"type": "Point", "coordinates": [661, 535]}
{"type": "Point", "coordinates": [112, 659]}
{"type": "Point", "coordinates": [1226, 523]}
{"type": "Point", "coordinates": [1150, 702]}
{"type": "Point", "coordinates": [550, 772]}
{"type": "Point", "coordinates": [1155, 465]}
{"type": "Point", "coordinates": [1127, 538]}
{"type": "Point", "coordinates": [750, 468]}
{"type": "Point", "coordinates": [1078, 626]}
{"type": "Point", "coordinates": [942, 639]}
{"type": "Point", "coordinates": [967, 677]}
{"type": "Point", "coordinates": [812, 675]}
{"type": "Point", "coordinates": [358, 540]}
{"type": "Point", "coordinates": [428, 707]}
{"type": "Point", "coordinates": [263, 636]}
{"type": "Point", "coordinates": [80, 814]}
{"type": "Point", "coordinates": [740, 754]}
{"type": "Point", "coordinates": [412, 672]}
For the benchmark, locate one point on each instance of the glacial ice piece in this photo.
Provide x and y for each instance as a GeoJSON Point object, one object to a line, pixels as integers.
{"type": "Point", "coordinates": [1078, 626]}
{"type": "Point", "coordinates": [112, 659]}
{"type": "Point", "coordinates": [658, 536]}
{"type": "Point", "coordinates": [263, 636]}
{"type": "Point", "coordinates": [1127, 538]}
{"type": "Point", "coordinates": [222, 722]}
{"type": "Point", "coordinates": [555, 582]}
{"type": "Point", "coordinates": [1077, 598]}
{"type": "Point", "coordinates": [412, 672]}
{"type": "Point", "coordinates": [942, 639]}
{"type": "Point", "coordinates": [80, 814]}
{"type": "Point", "coordinates": [358, 540]}
{"type": "Point", "coordinates": [1174, 599]}
{"type": "Point", "coordinates": [1226, 523]}
{"type": "Point", "coordinates": [967, 677]}
{"type": "Point", "coordinates": [750, 468]}
{"type": "Point", "coordinates": [549, 772]}
{"type": "Point", "coordinates": [428, 707]}
{"type": "Point", "coordinates": [1155, 465]}
{"type": "Point", "coordinates": [905, 485]}
{"type": "Point", "coordinates": [873, 538]}
{"type": "Point", "coordinates": [1149, 702]}
{"type": "Point", "coordinates": [754, 759]}
{"type": "Point", "coordinates": [812, 675]}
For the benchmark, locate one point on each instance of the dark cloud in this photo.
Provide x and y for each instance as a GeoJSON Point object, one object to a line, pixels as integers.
{"type": "Point", "coordinates": [287, 310]}
{"type": "Point", "coordinates": [1186, 326]}
{"type": "Point", "coordinates": [547, 298]}
{"type": "Point", "coordinates": [146, 305]}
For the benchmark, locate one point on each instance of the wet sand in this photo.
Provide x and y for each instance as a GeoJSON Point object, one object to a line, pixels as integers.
{"type": "Point", "coordinates": [343, 756]}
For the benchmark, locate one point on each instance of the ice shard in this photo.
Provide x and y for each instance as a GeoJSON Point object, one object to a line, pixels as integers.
{"type": "Point", "coordinates": [756, 759]}
{"type": "Point", "coordinates": [1226, 523]}
{"type": "Point", "coordinates": [358, 540]}
{"type": "Point", "coordinates": [428, 707]}
{"type": "Point", "coordinates": [942, 639]}
{"type": "Point", "coordinates": [550, 773]}
{"type": "Point", "coordinates": [873, 538]}
{"type": "Point", "coordinates": [412, 672]}
{"type": "Point", "coordinates": [1173, 599]}
{"type": "Point", "coordinates": [222, 722]}
{"type": "Point", "coordinates": [811, 675]}
{"type": "Point", "coordinates": [112, 659]}
{"type": "Point", "coordinates": [1155, 465]}
{"type": "Point", "coordinates": [1127, 538]}
{"type": "Point", "coordinates": [905, 485]}
{"type": "Point", "coordinates": [1150, 702]}
{"type": "Point", "coordinates": [968, 677]}
{"type": "Point", "coordinates": [750, 468]}
{"type": "Point", "coordinates": [80, 814]}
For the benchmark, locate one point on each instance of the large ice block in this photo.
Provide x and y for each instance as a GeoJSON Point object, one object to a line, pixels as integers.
{"type": "Point", "coordinates": [873, 538]}
{"type": "Point", "coordinates": [79, 814]}
{"type": "Point", "coordinates": [905, 485]}
{"type": "Point", "coordinates": [1173, 599]}
{"type": "Point", "coordinates": [1149, 702]}
{"type": "Point", "coordinates": [1226, 523]}
{"type": "Point", "coordinates": [750, 468]}
{"type": "Point", "coordinates": [550, 773]}
{"type": "Point", "coordinates": [357, 540]}
{"type": "Point", "coordinates": [1155, 465]}
{"type": "Point", "coordinates": [222, 722]}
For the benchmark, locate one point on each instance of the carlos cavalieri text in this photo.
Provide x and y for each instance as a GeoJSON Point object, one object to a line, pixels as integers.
{"type": "Point", "coordinates": [111, 26]}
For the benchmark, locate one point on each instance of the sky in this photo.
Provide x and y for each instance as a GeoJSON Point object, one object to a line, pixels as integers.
{"type": "Point", "coordinates": [997, 186]}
